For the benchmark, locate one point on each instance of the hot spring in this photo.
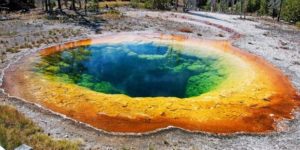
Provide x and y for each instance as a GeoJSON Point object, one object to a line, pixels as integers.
{"type": "Point", "coordinates": [134, 83]}
{"type": "Point", "coordinates": [134, 69]}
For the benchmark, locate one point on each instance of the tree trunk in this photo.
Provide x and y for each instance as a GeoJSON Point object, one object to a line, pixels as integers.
{"type": "Point", "coordinates": [243, 12]}
{"type": "Point", "coordinates": [79, 2]}
{"type": "Point", "coordinates": [43, 5]}
{"type": "Point", "coordinates": [97, 5]}
{"type": "Point", "coordinates": [279, 12]}
{"type": "Point", "coordinates": [85, 7]}
{"type": "Point", "coordinates": [245, 8]}
{"type": "Point", "coordinates": [50, 6]}
{"type": "Point", "coordinates": [212, 5]}
{"type": "Point", "coordinates": [73, 5]}
{"type": "Point", "coordinates": [59, 4]}
{"type": "Point", "coordinates": [232, 4]}
{"type": "Point", "coordinates": [46, 5]}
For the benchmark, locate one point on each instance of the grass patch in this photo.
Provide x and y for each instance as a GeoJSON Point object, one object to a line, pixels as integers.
{"type": "Point", "coordinates": [9, 33]}
{"type": "Point", "coordinates": [114, 4]}
{"type": "Point", "coordinates": [13, 50]}
{"type": "Point", "coordinates": [15, 130]}
{"type": "Point", "coordinates": [137, 4]}
{"type": "Point", "coordinates": [112, 14]}
{"type": "Point", "coordinates": [298, 24]}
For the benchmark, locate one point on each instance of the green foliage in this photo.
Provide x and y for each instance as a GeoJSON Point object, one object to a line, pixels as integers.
{"type": "Point", "coordinates": [93, 5]}
{"type": "Point", "coordinates": [263, 8]}
{"type": "Point", "coordinates": [158, 4]}
{"type": "Point", "coordinates": [223, 7]}
{"type": "Point", "coordinates": [291, 10]}
{"type": "Point", "coordinates": [13, 50]}
{"type": "Point", "coordinates": [148, 4]}
{"type": "Point", "coordinates": [298, 24]}
{"type": "Point", "coordinates": [113, 4]}
{"type": "Point", "coordinates": [253, 6]}
{"type": "Point", "coordinates": [15, 130]}
{"type": "Point", "coordinates": [134, 3]}
{"type": "Point", "coordinates": [113, 12]}
{"type": "Point", "coordinates": [206, 6]}
{"type": "Point", "coordinates": [202, 3]}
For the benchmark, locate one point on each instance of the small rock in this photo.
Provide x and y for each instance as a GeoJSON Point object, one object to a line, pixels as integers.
{"type": "Point", "coordinates": [296, 63]}
{"type": "Point", "coordinates": [275, 58]}
{"type": "Point", "coordinates": [98, 31]}
{"type": "Point", "coordinates": [266, 34]}
{"type": "Point", "coordinates": [285, 47]}
{"type": "Point", "coordinates": [24, 147]}
{"type": "Point", "coordinates": [199, 34]}
{"type": "Point", "coordinates": [220, 35]}
{"type": "Point", "coordinates": [283, 43]}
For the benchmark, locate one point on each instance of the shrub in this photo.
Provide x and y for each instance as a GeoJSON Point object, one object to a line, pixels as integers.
{"type": "Point", "coordinates": [148, 4]}
{"type": "Point", "coordinates": [12, 50]}
{"type": "Point", "coordinates": [112, 14]}
{"type": "Point", "coordinates": [291, 11]}
{"type": "Point", "coordinates": [113, 4]}
{"type": "Point", "coordinates": [298, 24]}
{"type": "Point", "coordinates": [15, 130]}
{"type": "Point", "coordinates": [158, 4]}
{"type": "Point", "coordinates": [263, 8]}
{"type": "Point", "coordinates": [134, 3]}
{"type": "Point", "coordinates": [162, 4]}
{"type": "Point", "coordinates": [253, 5]}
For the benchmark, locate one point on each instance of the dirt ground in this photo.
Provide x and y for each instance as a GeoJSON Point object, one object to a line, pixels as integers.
{"type": "Point", "coordinates": [277, 43]}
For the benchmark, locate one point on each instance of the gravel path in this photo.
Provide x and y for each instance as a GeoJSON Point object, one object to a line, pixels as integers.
{"type": "Point", "coordinates": [278, 44]}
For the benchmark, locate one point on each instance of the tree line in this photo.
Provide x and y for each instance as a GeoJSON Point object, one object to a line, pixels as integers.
{"type": "Point", "coordinates": [15, 5]}
{"type": "Point", "coordinates": [49, 5]}
{"type": "Point", "coordinates": [288, 10]}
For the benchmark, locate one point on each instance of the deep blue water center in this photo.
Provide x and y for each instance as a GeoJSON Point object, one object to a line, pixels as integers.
{"type": "Point", "coordinates": [134, 69]}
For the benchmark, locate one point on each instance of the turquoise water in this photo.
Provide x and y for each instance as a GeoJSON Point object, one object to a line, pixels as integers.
{"type": "Point", "coordinates": [134, 69]}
